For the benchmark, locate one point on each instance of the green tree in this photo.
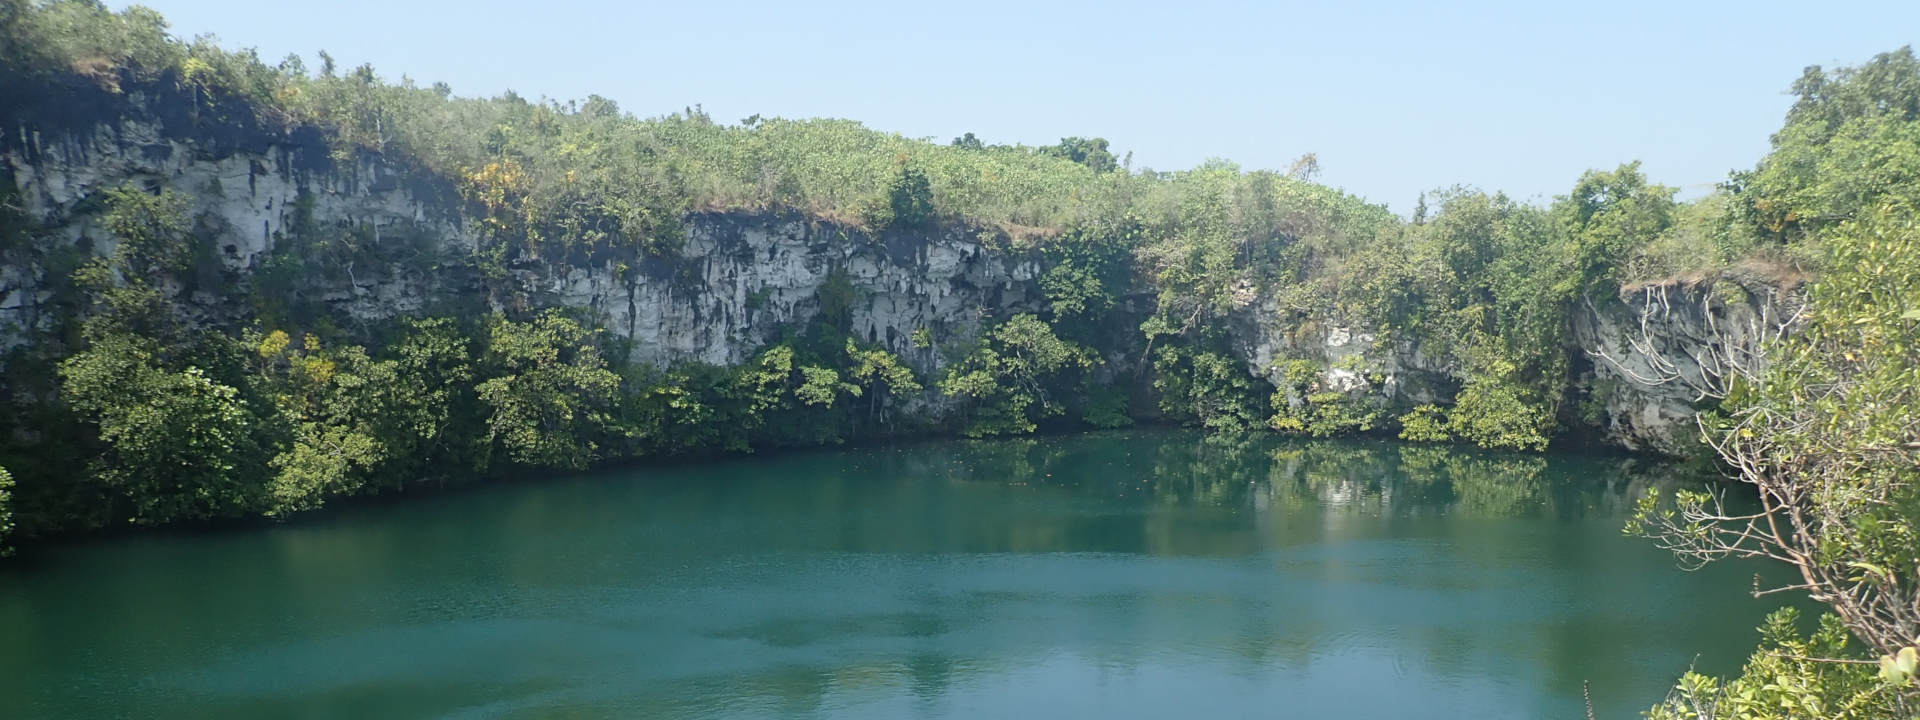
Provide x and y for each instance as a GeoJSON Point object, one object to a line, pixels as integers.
{"type": "Point", "coordinates": [1851, 142]}
{"type": "Point", "coordinates": [1794, 676]}
{"type": "Point", "coordinates": [1207, 388]}
{"type": "Point", "coordinates": [152, 230]}
{"type": "Point", "coordinates": [432, 416]}
{"type": "Point", "coordinates": [782, 401]}
{"type": "Point", "coordinates": [1015, 378]}
{"type": "Point", "coordinates": [909, 202]}
{"type": "Point", "coordinates": [548, 393]}
{"type": "Point", "coordinates": [1824, 428]}
{"type": "Point", "coordinates": [882, 378]}
{"type": "Point", "coordinates": [177, 444]}
{"type": "Point", "coordinates": [1607, 215]}
{"type": "Point", "coordinates": [1089, 268]}
{"type": "Point", "coordinates": [1091, 152]}
{"type": "Point", "coordinates": [1494, 411]}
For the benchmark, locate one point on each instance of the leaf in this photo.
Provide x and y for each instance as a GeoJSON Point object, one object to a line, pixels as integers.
{"type": "Point", "coordinates": [1913, 314]}
{"type": "Point", "coordinates": [1870, 567]}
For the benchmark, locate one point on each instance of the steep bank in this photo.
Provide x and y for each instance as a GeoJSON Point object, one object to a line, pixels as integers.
{"type": "Point", "coordinates": [744, 279]}
{"type": "Point", "coordinates": [231, 289]}
{"type": "Point", "coordinates": [736, 283]}
{"type": "Point", "coordinates": [1660, 353]}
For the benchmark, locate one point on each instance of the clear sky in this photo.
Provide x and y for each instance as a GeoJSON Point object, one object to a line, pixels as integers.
{"type": "Point", "coordinates": [1394, 98]}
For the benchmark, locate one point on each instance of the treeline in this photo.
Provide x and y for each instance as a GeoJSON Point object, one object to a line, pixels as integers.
{"type": "Point", "coordinates": [138, 399]}
{"type": "Point", "coordinates": [1823, 425]}
{"type": "Point", "coordinates": [152, 418]}
{"type": "Point", "coordinates": [1137, 264]}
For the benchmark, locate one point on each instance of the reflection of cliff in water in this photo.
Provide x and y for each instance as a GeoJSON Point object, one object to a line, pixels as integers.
{"type": "Point", "coordinates": [1147, 574]}
{"type": "Point", "coordinates": [1272, 472]}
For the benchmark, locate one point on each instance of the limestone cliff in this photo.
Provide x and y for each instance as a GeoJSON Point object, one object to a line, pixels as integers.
{"type": "Point", "coordinates": [740, 280]}
{"type": "Point", "coordinates": [1646, 361]}
{"type": "Point", "coordinates": [1659, 352]}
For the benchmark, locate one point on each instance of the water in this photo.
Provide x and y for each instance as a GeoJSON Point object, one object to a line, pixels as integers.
{"type": "Point", "coordinates": [1132, 574]}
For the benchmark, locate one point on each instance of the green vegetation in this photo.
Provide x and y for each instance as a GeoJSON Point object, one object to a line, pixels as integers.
{"type": "Point", "coordinates": [1306, 403]}
{"type": "Point", "coordinates": [1825, 430]}
{"type": "Point", "coordinates": [1481, 284]}
{"type": "Point", "coordinates": [1822, 423]}
{"type": "Point", "coordinates": [1016, 378]}
{"type": "Point", "coordinates": [549, 395]}
{"type": "Point", "coordinates": [132, 403]}
{"type": "Point", "coordinates": [1206, 388]}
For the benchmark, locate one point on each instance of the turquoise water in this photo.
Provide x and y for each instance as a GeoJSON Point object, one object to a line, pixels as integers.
{"type": "Point", "coordinates": [1128, 574]}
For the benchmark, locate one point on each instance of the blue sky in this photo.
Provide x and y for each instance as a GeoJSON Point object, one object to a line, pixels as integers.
{"type": "Point", "coordinates": [1394, 98]}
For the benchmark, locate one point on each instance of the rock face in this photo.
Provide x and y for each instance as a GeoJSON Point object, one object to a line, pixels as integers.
{"type": "Point", "coordinates": [741, 281]}
{"type": "Point", "coordinates": [1399, 374]}
{"type": "Point", "coordinates": [248, 198]}
{"type": "Point", "coordinates": [1659, 350]}
{"type": "Point", "coordinates": [1645, 361]}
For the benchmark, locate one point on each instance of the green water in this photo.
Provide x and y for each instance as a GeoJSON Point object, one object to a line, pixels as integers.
{"type": "Point", "coordinates": [1129, 574]}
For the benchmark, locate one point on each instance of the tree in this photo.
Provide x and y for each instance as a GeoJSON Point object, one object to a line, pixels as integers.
{"type": "Point", "coordinates": [432, 421]}
{"type": "Point", "coordinates": [1305, 168]}
{"type": "Point", "coordinates": [1089, 268]}
{"type": "Point", "coordinates": [1091, 152]}
{"type": "Point", "coordinates": [548, 395]}
{"type": "Point", "coordinates": [1015, 377]}
{"type": "Point", "coordinates": [909, 200]}
{"type": "Point", "coordinates": [600, 107]}
{"type": "Point", "coordinates": [1822, 424]}
{"type": "Point", "coordinates": [348, 417]}
{"type": "Point", "coordinates": [882, 377]}
{"type": "Point", "coordinates": [151, 229]}
{"type": "Point", "coordinates": [1208, 388]}
{"type": "Point", "coordinates": [1607, 215]}
{"type": "Point", "coordinates": [1851, 141]}
{"type": "Point", "coordinates": [1794, 676]}
{"type": "Point", "coordinates": [177, 444]}
{"type": "Point", "coordinates": [782, 401]}
{"type": "Point", "coordinates": [1493, 290]}
{"type": "Point", "coordinates": [1495, 411]}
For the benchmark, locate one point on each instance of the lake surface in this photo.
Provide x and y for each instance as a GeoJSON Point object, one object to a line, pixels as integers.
{"type": "Point", "coordinates": [1128, 574]}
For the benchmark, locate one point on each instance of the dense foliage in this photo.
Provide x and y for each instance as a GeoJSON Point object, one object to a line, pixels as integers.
{"type": "Point", "coordinates": [1824, 422]}
{"type": "Point", "coordinates": [161, 389]}
{"type": "Point", "coordinates": [1826, 430]}
{"type": "Point", "coordinates": [1016, 378]}
{"type": "Point", "coordinates": [1482, 283]}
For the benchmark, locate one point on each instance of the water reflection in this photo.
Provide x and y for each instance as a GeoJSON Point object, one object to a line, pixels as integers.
{"type": "Point", "coordinates": [1123, 574]}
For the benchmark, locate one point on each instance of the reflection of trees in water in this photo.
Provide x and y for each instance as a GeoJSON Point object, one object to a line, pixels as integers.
{"type": "Point", "coordinates": [1340, 475]}
{"type": "Point", "coordinates": [1275, 473]}
{"type": "Point", "coordinates": [1164, 494]}
{"type": "Point", "coordinates": [1216, 470]}
{"type": "Point", "coordinates": [1467, 482]}
{"type": "Point", "coordinates": [1177, 494]}
{"type": "Point", "coordinates": [1482, 485]}
{"type": "Point", "coordinates": [1403, 480]}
